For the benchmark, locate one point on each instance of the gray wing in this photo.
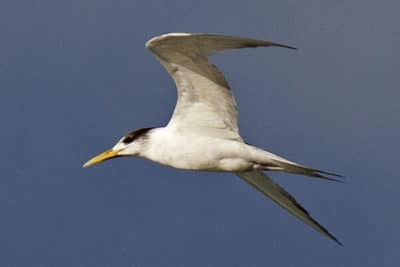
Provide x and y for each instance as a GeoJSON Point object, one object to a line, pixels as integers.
{"type": "Point", "coordinates": [266, 185]}
{"type": "Point", "coordinates": [205, 102]}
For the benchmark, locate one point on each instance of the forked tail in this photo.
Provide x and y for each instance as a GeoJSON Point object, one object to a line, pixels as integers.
{"type": "Point", "coordinates": [295, 168]}
{"type": "Point", "coordinates": [271, 162]}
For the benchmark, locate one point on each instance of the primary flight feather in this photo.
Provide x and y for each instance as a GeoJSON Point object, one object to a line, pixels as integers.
{"type": "Point", "coordinates": [202, 133]}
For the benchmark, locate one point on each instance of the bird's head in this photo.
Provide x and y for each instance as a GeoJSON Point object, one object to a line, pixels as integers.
{"type": "Point", "coordinates": [129, 145]}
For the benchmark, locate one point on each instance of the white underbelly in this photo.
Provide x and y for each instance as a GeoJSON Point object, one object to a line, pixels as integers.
{"type": "Point", "coordinates": [205, 154]}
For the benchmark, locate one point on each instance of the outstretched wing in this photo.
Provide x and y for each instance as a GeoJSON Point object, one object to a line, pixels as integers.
{"type": "Point", "coordinates": [205, 102]}
{"type": "Point", "coordinates": [265, 185]}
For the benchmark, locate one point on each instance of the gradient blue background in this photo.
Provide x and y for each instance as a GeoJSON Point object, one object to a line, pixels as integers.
{"type": "Point", "coordinates": [75, 76]}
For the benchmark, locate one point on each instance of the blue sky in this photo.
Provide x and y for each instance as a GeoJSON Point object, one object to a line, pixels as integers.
{"type": "Point", "coordinates": [75, 76]}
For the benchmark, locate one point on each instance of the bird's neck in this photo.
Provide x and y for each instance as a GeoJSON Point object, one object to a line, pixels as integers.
{"type": "Point", "coordinates": [159, 144]}
{"type": "Point", "coordinates": [152, 141]}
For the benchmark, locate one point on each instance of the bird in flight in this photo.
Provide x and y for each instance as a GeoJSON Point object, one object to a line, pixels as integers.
{"type": "Point", "coordinates": [202, 133]}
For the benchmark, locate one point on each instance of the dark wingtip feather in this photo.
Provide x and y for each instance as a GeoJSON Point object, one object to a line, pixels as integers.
{"type": "Point", "coordinates": [334, 238]}
{"type": "Point", "coordinates": [282, 45]}
{"type": "Point", "coordinates": [289, 47]}
{"type": "Point", "coordinates": [324, 230]}
{"type": "Point", "coordinates": [339, 243]}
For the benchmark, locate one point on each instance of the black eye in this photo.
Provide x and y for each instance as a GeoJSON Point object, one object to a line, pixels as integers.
{"type": "Point", "coordinates": [128, 139]}
{"type": "Point", "coordinates": [135, 135]}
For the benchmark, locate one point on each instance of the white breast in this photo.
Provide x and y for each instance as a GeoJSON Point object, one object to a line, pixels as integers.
{"type": "Point", "coordinates": [195, 152]}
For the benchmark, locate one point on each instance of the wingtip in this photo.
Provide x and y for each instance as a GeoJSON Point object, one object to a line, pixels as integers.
{"type": "Point", "coordinates": [291, 47]}
{"type": "Point", "coordinates": [330, 179]}
{"type": "Point", "coordinates": [320, 228]}
{"type": "Point", "coordinates": [285, 46]}
{"type": "Point", "coordinates": [335, 240]}
{"type": "Point", "coordinates": [339, 243]}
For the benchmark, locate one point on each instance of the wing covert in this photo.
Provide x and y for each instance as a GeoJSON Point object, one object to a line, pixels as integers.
{"type": "Point", "coordinates": [205, 102]}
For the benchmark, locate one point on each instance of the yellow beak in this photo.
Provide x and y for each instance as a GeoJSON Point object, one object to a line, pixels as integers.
{"type": "Point", "coordinates": [108, 154]}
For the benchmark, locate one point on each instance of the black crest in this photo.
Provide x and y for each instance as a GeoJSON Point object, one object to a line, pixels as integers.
{"type": "Point", "coordinates": [134, 135]}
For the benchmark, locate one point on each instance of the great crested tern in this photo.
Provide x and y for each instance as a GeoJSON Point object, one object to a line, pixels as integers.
{"type": "Point", "coordinates": [202, 133]}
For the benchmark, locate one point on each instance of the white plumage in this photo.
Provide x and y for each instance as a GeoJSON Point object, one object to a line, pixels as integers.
{"type": "Point", "coordinates": [202, 133]}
